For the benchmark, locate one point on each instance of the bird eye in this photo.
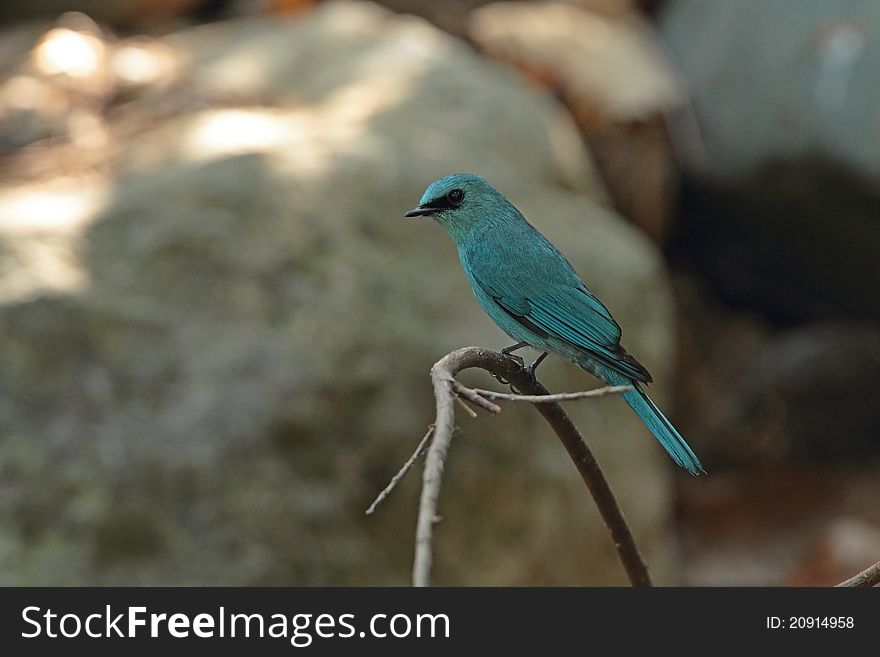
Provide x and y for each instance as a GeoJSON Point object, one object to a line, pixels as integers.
{"type": "Point", "coordinates": [455, 197]}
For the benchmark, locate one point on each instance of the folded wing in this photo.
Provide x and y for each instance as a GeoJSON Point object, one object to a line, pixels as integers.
{"type": "Point", "coordinates": [557, 303]}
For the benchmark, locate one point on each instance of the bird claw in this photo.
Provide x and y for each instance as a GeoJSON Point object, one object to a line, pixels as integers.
{"type": "Point", "coordinates": [509, 350]}
{"type": "Point", "coordinates": [520, 363]}
{"type": "Point", "coordinates": [530, 370]}
{"type": "Point", "coordinates": [527, 370]}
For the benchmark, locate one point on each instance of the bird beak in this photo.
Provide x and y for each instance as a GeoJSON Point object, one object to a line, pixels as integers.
{"type": "Point", "coordinates": [420, 211]}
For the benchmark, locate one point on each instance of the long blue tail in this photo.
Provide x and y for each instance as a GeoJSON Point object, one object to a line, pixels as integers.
{"type": "Point", "coordinates": [663, 430]}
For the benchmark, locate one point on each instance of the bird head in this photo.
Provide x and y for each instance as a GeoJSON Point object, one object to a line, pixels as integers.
{"type": "Point", "coordinates": [460, 202]}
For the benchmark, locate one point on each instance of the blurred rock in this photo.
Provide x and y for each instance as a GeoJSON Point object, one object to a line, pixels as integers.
{"type": "Point", "coordinates": [453, 15]}
{"type": "Point", "coordinates": [638, 167]}
{"type": "Point", "coordinates": [845, 548]}
{"type": "Point", "coordinates": [610, 68]}
{"type": "Point", "coordinates": [140, 13]}
{"type": "Point", "coordinates": [611, 8]}
{"type": "Point", "coordinates": [247, 365]}
{"type": "Point", "coordinates": [604, 60]}
{"type": "Point", "coordinates": [30, 110]}
{"type": "Point", "coordinates": [41, 227]}
{"type": "Point", "coordinates": [717, 348]}
{"type": "Point", "coordinates": [780, 527]}
{"type": "Point", "coordinates": [779, 81]}
{"type": "Point", "coordinates": [53, 75]}
{"type": "Point", "coordinates": [824, 380]}
{"type": "Point", "coordinates": [448, 15]}
{"type": "Point", "coordinates": [65, 78]}
{"type": "Point", "coordinates": [796, 241]}
{"type": "Point", "coordinates": [761, 397]}
{"type": "Point", "coordinates": [780, 212]}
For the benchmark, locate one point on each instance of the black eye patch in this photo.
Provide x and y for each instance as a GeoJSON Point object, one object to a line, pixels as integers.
{"type": "Point", "coordinates": [448, 201]}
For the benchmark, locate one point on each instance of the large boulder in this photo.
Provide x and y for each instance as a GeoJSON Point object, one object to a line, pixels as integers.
{"type": "Point", "coordinates": [139, 13]}
{"type": "Point", "coordinates": [778, 81]}
{"type": "Point", "coordinates": [605, 61]}
{"type": "Point", "coordinates": [242, 363]}
{"type": "Point", "coordinates": [781, 203]}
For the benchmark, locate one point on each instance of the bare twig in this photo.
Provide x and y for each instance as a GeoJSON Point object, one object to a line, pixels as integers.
{"type": "Point", "coordinates": [867, 578]}
{"type": "Point", "coordinates": [474, 397]}
{"type": "Point", "coordinates": [546, 399]}
{"type": "Point", "coordinates": [467, 409]}
{"type": "Point", "coordinates": [445, 390]}
{"type": "Point", "coordinates": [423, 444]}
{"type": "Point", "coordinates": [433, 473]}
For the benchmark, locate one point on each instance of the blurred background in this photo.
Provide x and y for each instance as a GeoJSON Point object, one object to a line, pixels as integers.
{"type": "Point", "coordinates": [216, 327]}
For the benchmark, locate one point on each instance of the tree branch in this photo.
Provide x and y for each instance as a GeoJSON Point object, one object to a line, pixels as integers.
{"type": "Point", "coordinates": [546, 399]}
{"type": "Point", "coordinates": [867, 578]}
{"type": "Point", "coordinates": [423, 444]}
{"type": "Point", "coordinates": [445, 390]}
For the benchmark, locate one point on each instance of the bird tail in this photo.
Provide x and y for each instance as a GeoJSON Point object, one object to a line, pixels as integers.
{"type": "Point", "coordinates": [662, 429]}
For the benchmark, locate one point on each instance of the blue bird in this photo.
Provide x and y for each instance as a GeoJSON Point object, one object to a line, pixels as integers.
{"type": "Point", "coordinates": [533, 294]}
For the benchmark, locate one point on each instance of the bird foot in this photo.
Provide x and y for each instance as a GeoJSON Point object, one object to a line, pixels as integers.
{"type": "Point", "coordinates": [529, 373]}
{"type": "Point", "coordinates": [521, 364]}
{"type": "Point", "coordinates": [530, 370]}
{"type": "Point", "coordinates": [507, 351]}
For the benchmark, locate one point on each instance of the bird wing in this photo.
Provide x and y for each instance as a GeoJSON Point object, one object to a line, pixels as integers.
{"type": "Point", "coordinates": [554, 302]}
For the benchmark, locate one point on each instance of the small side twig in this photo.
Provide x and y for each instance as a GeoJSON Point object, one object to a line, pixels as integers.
{"type": "Point", "coordinates": [481, 398]}
{"type": "Point", "coordinates": [867, 578]}
{"type": "Point", "coordinates": [423, 444]}
{"type": "Point", "coordinates": [474, 397]}
{"type": "Point", "coordinates": [546, 399]}
{"type": "Point", "coordinates": [467, 409]}
{"type": "Point", "coordinates": [446, 389]}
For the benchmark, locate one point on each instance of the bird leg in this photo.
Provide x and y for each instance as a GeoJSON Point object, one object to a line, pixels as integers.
{"type": "Point", "coordinates": [504, 381]}
{"type": "Point", "coordinates": [530, 370]}
{"type": "Point", "coordinates": [508, 351]}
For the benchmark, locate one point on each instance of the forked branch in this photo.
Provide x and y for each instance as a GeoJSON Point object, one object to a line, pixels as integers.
{"type": "Point", "coordinates": [446, 389]}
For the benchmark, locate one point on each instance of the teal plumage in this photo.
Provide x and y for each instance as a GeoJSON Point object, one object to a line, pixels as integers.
{"type": "Point", "coordinates": [531, 291]}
